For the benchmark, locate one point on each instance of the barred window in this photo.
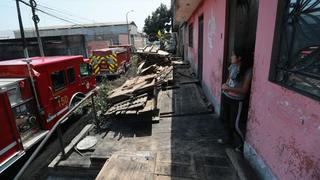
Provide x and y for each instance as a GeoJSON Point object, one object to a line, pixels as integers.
{"type": "Point", "coordinates": [296, 53]}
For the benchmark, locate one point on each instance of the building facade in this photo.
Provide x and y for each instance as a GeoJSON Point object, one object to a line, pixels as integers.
{"type": "Point", "coordinates": [283, 123]}
{"type": "Point", "coordinates": [97, 36]}
{"type": "Point", "coordinates": [52, 46]}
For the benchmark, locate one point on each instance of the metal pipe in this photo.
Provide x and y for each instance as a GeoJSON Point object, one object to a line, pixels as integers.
{"type": "Point", "coordinates": [26, 55]}
{"type": "Point", "coordinates": [27, 60]}
{"type": "Point", "coordinates": [43, 142]}
{"type": "Point", "coordinates": [94, 114]}
{"type": "Point", "coordinates": [128, 26]}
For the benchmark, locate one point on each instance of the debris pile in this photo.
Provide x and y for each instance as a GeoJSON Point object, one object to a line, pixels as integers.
{"type": "Point", "coordinates": [138, 96]}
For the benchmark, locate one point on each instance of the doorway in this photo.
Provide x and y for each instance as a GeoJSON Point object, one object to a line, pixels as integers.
{"type": "Point", "coordinates": [200, 49]}
{"type": "Point", "coordinates": [241, 26]}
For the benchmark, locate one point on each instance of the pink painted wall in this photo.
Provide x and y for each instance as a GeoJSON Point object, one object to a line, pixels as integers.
{"type": "Point", "coordinates": [214, 13]}
{"type": "Point", "coordinates": [283, 126]}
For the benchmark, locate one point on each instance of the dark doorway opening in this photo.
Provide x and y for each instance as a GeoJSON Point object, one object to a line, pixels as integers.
{"type": "Point", "coordinates": [200, 49]}
{"type": "Point", "coordinates": [240, 35]}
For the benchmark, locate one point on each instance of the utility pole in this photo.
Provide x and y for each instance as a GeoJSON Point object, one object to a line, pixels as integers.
{"type": "Point", "coordinates": [24, 43]}
{"type": "Point", "coordinates": [128, 26]}
{"type": "Point", "coordinates": [36, 20]}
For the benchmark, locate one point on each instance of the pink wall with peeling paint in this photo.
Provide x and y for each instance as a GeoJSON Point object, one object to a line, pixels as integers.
{"type": "Point", "coordinates": [214, 16]}
{"type": "Point", "coordinates": [283, 126]}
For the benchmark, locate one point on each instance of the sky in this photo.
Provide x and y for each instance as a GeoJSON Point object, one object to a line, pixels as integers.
{"type": "Point", "coordinates": [78, 11]}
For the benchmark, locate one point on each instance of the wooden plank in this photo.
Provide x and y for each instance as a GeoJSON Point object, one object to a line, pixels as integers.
{"type": "Point", "coordinates": [127, 166]}
{"type": "Point", "coordinates": [136, 86]}
{"type": "Point", "coordinates": [128, 105]}
{"type": "Point", "coordinates": [149, 106]}
{"type": "Point", "coordinates": [154, 49]}
{"type": "Point", "coordinates": [165, 102]}
{"type": "Point", "coordinates": [173, 102]}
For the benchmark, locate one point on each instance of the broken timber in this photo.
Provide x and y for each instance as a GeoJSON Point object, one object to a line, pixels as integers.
{"type": "Point", "coordinates": [139, 95]}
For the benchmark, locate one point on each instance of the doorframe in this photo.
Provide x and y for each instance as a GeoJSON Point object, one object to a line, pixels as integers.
{"type": "Point", "coordinates": [200, 50]}
{"type": "Point", "coordinates": [227, 45]}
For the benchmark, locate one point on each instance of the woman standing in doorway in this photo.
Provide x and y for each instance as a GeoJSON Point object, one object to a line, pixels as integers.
{"type": "Point", "coordinates": [235, 95]}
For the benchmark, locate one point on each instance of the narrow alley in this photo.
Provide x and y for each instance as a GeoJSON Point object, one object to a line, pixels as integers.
{"type": "Point", "coordinates": [180, 144]}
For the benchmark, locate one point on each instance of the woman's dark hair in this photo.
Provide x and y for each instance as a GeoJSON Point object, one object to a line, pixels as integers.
{"type": "Point", "coordinates": [246, 59]}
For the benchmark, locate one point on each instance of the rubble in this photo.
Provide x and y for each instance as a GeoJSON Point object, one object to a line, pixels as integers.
{"type": "Point", "coordinates": [131, 88]}
{"type": "Point", "coordinates": [138, 96]}
{"type": "Point", "coordinates": [135, 105]}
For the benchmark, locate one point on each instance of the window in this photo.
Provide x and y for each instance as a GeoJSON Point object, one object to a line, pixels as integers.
{"type": "Point", "coordinates": [71, 75]}
{"type": "Point", "coordinates": [190, 35]}
{"type": "Point", "coordinates": [58, 80]}
{"type": "Point", "coordinates": [296, 52]}
{"type": "Point", "coordinates": [85, 70]}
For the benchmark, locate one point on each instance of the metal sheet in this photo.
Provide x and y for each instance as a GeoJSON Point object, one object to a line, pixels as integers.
{"type": "Point", "coordinates": [87, 143]}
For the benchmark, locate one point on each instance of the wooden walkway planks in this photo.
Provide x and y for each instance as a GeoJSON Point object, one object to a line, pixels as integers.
{"type": "Point", "coordinates": [131, 166]}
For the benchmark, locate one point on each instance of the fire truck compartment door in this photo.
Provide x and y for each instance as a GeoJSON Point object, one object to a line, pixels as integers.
{"type": "Point", "coordinates": [10, 140]}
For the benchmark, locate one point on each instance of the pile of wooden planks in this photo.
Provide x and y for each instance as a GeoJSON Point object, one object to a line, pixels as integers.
{"type": "Point", "coordinates": [139, 95]}
{"type": "Point", "coordinates": [152, 50]}
{"type": "Point", "coordinates": [136, 105]}
{"type": "Point", "coordinates": [132, 87]}
{"type": "Point", "coordinates": [135, 97]}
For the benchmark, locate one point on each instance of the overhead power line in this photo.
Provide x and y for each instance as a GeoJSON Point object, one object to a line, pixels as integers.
{"type": "Point", "coordinates": [52, 15]}
{"type": "Point", "coordinates": [61, 11]}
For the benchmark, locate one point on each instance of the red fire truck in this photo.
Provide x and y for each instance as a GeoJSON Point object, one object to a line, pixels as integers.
{"type": "Point", "coordinates": [34, 94]}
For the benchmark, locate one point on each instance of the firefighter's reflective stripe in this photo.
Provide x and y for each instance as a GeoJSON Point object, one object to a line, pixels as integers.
{"type": "Point", "coordinates": [112, 63]}
{"type": "Point", "coordinates": [97, 70]}
{"type": "Point", "coordinates": [96, 66]}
